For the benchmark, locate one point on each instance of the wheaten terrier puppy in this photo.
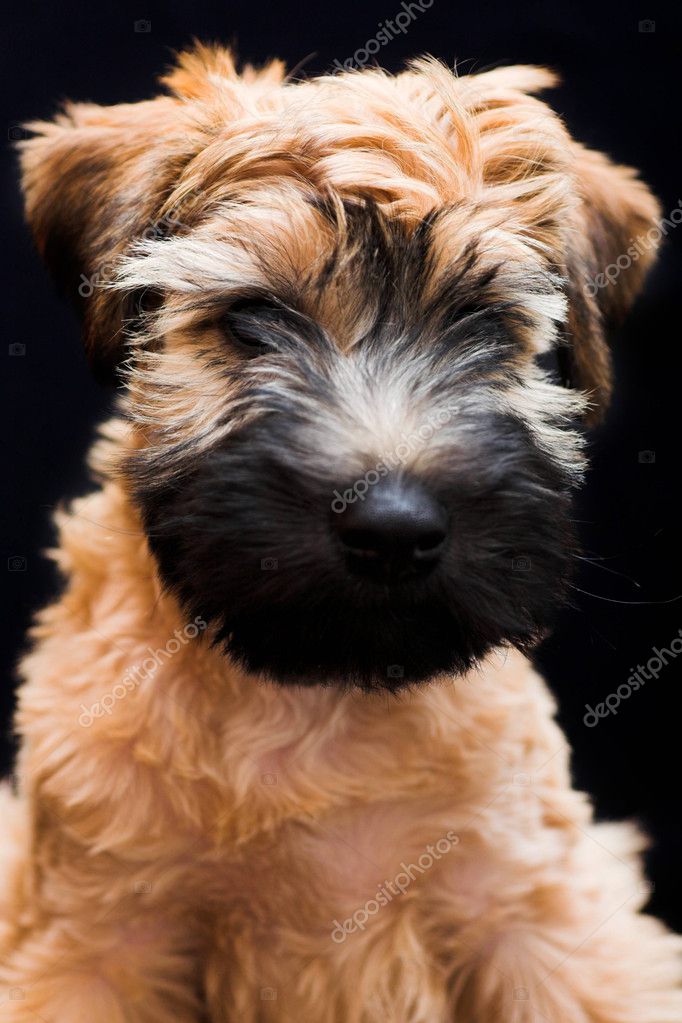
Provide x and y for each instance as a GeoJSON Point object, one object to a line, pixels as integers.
{"type": "Point", "coordinates": [283, 758]}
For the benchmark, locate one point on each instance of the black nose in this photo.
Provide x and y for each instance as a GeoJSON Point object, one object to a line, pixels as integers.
{"type": "Point", "coordinates": [394, 531]}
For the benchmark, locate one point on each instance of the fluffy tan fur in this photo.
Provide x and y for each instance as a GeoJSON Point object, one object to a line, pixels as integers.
{"type": "Point", "coordinates": [188, 853]}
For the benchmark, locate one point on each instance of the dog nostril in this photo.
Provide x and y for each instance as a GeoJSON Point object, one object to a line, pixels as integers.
{"type": "Point", "coordinates": [398, 530]}
{"type": "Point", "coordinates": [364, 541]}
{"type": "Point", "coordinates": [429, 541]}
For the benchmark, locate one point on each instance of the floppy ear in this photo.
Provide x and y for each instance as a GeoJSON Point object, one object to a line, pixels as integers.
{"type": "Point", "coordinates": [597, 223]}
{"type": "Point", "coordinates": [612, 242]}
{"type": "Point", "coordinates": [93, 181]}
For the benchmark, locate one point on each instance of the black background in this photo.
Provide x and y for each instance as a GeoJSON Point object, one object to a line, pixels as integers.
{"type": "Point", "coordinates": [620, 95]}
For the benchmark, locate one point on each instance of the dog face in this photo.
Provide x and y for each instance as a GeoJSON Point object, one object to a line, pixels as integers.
{"type": "Point", "coordinates": [345, 452]}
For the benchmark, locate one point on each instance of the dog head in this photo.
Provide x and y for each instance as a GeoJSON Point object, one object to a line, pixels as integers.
{"type": "Point", "coordinates": [330, 302]}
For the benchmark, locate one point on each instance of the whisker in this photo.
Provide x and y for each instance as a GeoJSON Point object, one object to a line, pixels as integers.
{"type": "Point", "coordinates": [632, 603]}
{"type": "Point", "coordinates": [611, 571]}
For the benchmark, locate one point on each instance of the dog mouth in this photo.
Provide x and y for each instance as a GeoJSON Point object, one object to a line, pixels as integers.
{"type": "Point", "coordinates": [303, 583]}
{"type": "Point", "coordinates": [391, 593]}
{"type": "Point", "coordinates": [386, 628]}
{"type": "Point", "coordinates": [385, 645]}
{"type": "Point", "coordinates": [389, 619]}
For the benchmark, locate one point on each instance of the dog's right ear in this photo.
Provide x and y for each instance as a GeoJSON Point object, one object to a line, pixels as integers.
{"type": "Point", "coordinates": [612, 242]}
{"type": "Point", "coordinates": [93, 181]}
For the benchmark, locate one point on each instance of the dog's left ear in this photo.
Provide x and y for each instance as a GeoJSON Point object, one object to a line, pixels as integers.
{"type": "Point", "coordinates": [93, 181]}
{"type": "Point", "coordinates": [611, 243]}
{"type": "Point", "coordinates": [597, 223]}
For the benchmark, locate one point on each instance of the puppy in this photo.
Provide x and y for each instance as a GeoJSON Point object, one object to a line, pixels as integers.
{"type": "Point", "coordinates": [283, 757]}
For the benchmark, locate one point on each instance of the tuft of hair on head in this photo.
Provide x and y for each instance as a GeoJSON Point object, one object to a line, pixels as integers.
{"type": "Point", "coordinates": [207, 67]}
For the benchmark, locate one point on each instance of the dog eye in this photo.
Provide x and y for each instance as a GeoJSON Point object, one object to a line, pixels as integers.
{"type": "Point", "coordinates": [143, 301]}
{"type": "Point", "coordinates": [252, 324]}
